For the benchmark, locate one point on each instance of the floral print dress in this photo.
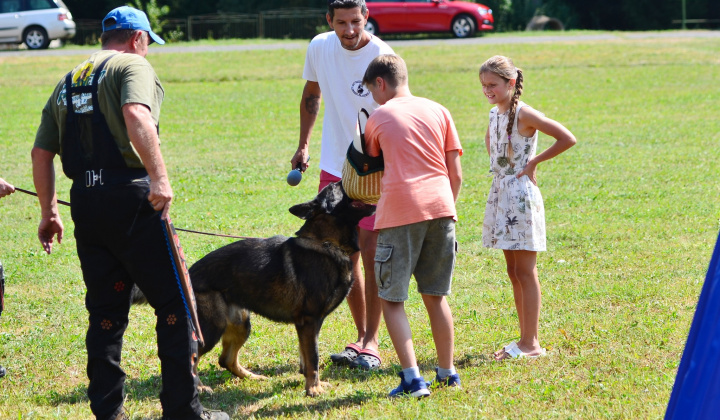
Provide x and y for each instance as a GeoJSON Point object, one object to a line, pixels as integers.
{"type": "Point", "coordinates": [514, 214]}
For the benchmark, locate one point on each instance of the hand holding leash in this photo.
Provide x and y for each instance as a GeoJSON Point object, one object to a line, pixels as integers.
{"type": "Point", "coordinates": [5, 188]}
{"type": "Point", "coordinates": [160, 196]}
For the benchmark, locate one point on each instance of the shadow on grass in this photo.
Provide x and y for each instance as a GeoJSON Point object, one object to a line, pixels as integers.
{"type": "Point", "coordinates": [78, 395]}
{"type": "Point", "coordinates": [257, 404]}
{"type": "Point", "coordinates": [470, 360]}
{"type": "Point", "coordinates": [214, 377]}
{"type": "Point", "coordinates": [312, 406]}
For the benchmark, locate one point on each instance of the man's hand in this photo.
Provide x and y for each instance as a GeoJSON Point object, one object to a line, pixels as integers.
{"type": "Point", "coordinates": [5, 188]}
{"type": "Point", "coordinates": [301, 159]}
{"type": "Point", "coordinates": [49, 227]}
{"type": "Point", "coordinates": [160, 196]}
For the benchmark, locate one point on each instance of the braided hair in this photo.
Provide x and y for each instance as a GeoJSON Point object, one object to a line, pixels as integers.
{"type": "Point", "coordinates": [514, 100]}
{"type": "Point", "coordinates": [505, 69]}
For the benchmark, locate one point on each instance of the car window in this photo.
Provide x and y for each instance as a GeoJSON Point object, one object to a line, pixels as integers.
{"type": "Point", "coordinates": [9, 6]}
{"type": "Point", "coordinates": [40, 4]}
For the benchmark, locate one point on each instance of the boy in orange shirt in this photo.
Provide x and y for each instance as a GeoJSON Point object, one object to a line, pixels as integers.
{"type": "Point", "coordinates": [415, 215]}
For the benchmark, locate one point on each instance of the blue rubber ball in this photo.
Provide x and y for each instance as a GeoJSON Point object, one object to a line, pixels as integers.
{"type": "Point", "coordinates": [294, 177]}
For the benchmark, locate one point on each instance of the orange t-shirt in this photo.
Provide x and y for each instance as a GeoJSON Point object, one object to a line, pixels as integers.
{"type": "Point", "coordinates": [413, 134]}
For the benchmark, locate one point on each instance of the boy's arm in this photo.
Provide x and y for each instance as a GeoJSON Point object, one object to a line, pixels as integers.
{"type": "Point", "coordinates": [452, 160]}
{"type": "Point", "coordinates": [372, 143]}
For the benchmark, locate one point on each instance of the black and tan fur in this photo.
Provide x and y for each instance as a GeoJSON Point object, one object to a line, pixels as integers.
{"type": "Point", "coordinates": [298, 280]}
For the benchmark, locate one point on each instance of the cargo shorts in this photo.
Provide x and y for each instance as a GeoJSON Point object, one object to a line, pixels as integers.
{"type": "Point", "coordinates": [425, 249]}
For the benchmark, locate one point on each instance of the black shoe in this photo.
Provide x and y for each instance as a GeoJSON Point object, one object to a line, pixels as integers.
{"type": "Point", "coordinates": [2, 371]}
{"type": "Point", "coordinates": [214, 415]}
{"type": "Point", "coordinates": [347, 356]}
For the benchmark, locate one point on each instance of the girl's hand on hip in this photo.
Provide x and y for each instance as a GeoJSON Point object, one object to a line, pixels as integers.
{"type": "Point", "coordinates": [530, 170]}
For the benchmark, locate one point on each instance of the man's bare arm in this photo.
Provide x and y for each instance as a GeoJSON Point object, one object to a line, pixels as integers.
{"type": "Point", "coordinates": [309, 109]}
{"type": "Point", "coordinates": [143, 135]}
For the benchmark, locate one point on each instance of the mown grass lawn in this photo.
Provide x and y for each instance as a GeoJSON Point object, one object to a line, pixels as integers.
{"type": "Point", "coordinates": [632, 215]}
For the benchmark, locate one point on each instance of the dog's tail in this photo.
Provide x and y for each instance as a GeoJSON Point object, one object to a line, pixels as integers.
{"type": "Point", "coordinates": [137, 297]}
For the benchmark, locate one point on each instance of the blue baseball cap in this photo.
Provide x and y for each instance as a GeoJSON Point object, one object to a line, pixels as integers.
{"type": "Point", "coordinates": [126, 17]}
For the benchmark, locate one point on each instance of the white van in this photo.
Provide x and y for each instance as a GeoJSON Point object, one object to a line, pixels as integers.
{"type": "Point", "coordinates": [35, 22]}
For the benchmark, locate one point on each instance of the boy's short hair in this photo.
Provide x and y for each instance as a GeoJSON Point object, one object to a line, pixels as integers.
{"type": "Point", "coordinates": [389, 67]}
{"type": "Point", "coordinates": [345, 4]}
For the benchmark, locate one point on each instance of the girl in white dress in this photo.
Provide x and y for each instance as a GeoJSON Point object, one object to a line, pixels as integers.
{"type": "Point", "coordinates": [514, 215]}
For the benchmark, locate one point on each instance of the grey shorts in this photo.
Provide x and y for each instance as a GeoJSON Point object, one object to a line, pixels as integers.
{"type": "Point", "coordinates": [425, 249]}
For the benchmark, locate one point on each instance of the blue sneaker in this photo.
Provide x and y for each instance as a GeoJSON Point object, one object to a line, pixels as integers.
{"type": "Point", "coordinates": [417, 388]}
{"type": "Point", "coordinates": [450, 380]}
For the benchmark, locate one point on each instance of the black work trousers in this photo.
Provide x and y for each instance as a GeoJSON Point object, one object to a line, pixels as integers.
{"type": "Point", "coordinates": [121, 242]}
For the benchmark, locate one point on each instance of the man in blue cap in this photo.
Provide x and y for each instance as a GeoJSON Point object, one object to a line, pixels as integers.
{"type": "Point", "coordinates": [102, 119]}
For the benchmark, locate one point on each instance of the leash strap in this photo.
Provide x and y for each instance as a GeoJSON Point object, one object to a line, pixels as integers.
{"type": "Point", "coordinates": [177, 256]}
{"type": "Point", "coordinates": [65, 203]}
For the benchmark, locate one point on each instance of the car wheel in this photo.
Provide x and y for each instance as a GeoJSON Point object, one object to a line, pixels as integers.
{"type": "Point", "coordinates": [371, 27]}
{"type": "Point", "coordinates": [463, 26]}
{"type": "Point", "coordinates": [36, 38]}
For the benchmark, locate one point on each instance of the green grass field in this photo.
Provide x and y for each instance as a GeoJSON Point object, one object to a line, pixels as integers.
{"type": "Point", "coordinates": [632, 216]}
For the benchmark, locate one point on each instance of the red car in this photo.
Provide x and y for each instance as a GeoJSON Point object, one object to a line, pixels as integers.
{"type": "Point", "coordinates": [461, 18]}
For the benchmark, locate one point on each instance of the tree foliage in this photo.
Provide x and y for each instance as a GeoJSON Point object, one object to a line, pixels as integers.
{"type": "Point", "coordinates": [628, 15]}
{"type": "Point", "coordinates": [155, 13]}
{"type": "Point", "coordinates": [510, 15]}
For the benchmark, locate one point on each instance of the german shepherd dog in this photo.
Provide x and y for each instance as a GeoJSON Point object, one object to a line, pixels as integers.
{"type": "Point", "coordinates": [298, 280]}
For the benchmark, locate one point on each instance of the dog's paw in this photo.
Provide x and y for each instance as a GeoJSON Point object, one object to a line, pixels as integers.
{"type": "Point", "coordinates": [256, 377]}
{"type": "Point", "coordinates": [204, 389]}
{"type": "Point", "coordinates": [243, 373]}
{"type": "Point", "coordinates": [316, 390]}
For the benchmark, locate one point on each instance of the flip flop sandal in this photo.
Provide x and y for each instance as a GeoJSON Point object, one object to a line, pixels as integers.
{"type": "Point", "coordinates": [366, 360]}
{"type": "Point", "coordinates": [505, 348]}
{"type": "Point", "coordinates": [347, 356]}
{"type": "Point", "coordinates": [515, 353]}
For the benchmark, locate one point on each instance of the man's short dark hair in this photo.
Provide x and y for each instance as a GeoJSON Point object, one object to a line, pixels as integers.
{"type": "Point", "coordinates": [345, 4]}
{"type": "Point", "coordinates": [119, 36]}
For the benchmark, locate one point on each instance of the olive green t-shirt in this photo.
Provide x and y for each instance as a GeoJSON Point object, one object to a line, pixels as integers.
{"type": "Point", "coordinates": [126, 79]}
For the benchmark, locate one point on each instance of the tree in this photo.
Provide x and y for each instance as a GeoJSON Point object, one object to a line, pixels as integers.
{"type": "Point", "coordinates": [155, 13]}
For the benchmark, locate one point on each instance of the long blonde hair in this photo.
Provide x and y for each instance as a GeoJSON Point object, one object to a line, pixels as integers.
{"type": "Point", "coordinates": [505, 69]}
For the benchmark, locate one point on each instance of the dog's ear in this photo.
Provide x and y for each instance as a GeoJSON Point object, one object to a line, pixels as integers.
{"type": "Point", "coordinates": [304, 210]}
{"type": "Point", "coordinates": [331, 196]}
{"type": "Point", "coordinates": [326, 201]}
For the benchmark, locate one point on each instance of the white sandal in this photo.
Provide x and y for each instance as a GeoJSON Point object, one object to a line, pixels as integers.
{"type": "Point", "coordinates": [514, 352]}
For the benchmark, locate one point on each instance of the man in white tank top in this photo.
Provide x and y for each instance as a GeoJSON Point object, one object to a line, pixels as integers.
{"type": "Point", "coordinates": [335, 63]}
